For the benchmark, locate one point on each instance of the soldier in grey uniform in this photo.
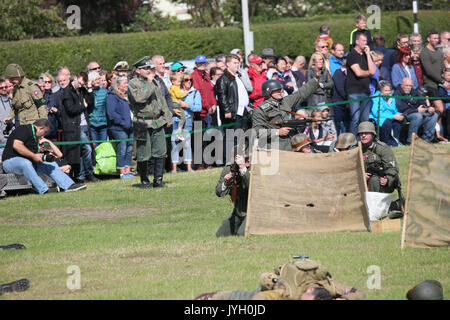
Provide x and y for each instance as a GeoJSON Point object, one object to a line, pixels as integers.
{"type": "Point", "coordinates": [377, 154]}
{"type": "Point", "coordinates": [279, 108]}
{"type": "Point", "coordinates": [235, 180]}
{"type": "Point", "coordinates": [151, 114]}
{"type": "Point", "coordinates": [28, 104]}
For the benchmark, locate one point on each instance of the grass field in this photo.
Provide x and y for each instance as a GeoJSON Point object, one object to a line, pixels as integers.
{"type": "Point", "coordinates": [157, 244]}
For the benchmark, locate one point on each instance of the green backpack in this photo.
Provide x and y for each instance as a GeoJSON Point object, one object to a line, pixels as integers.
{"type": "Point", "coordinates": [105, 159]}
{"type": "Point", "coordinates": [297, 276]}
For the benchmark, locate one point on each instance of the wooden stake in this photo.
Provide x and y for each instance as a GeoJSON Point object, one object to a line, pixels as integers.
{"type": "Point", "coordinates": [408, 189]}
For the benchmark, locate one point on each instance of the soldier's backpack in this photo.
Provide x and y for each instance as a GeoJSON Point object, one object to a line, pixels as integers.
{"type": "Point", "coordinates": [297, 276]}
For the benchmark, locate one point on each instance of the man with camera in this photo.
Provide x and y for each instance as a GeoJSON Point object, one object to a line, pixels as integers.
{"type": "Point", "coordinates": [379, 161]}
{"type": "Point", "coordinates": [26, 154]}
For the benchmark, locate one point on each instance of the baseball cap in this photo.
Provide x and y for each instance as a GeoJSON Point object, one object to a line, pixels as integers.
{"type": "Point", "coordinates": [200, 59]}
{"type": "Point", "coordinates": [256, 59]}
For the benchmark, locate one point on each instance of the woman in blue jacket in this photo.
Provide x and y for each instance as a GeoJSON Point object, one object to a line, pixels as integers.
{"type": "Point", "coordinates": [194, 101]}
{"type": "Point", "coordinates": [384, 112]}
{"type": "Point", "coordinates": [403, 69]}
{"type": "Point", "coordinates": [120, 125]}
{"type": "Point", "coordinates": [97, 112]}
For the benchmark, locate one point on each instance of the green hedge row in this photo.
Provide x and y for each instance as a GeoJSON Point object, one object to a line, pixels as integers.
{"type": "Point", "coordinates": [37, 56]}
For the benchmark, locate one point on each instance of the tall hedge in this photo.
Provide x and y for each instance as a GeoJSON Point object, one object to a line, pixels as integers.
{"type": "Point", "coordinates": [294, 38]}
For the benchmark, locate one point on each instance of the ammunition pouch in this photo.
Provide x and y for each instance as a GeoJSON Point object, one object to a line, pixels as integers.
{"type": "Point", "coordinates": [140, 129]}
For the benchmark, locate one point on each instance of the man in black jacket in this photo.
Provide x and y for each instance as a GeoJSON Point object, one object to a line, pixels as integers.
{"type": "Point", "coordinates": [76, 98]}
{"type": "Point", "coordinates": [417, 111]}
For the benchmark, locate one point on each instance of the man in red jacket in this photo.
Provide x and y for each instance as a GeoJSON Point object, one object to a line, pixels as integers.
{"type": "Point", "coordinates": [257, 76]}
{"type": "Point", "coordinates": [203, 84]}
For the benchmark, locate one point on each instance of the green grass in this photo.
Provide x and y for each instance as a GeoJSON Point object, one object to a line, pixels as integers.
{"type": "Point", "coordinates": [131, 243]}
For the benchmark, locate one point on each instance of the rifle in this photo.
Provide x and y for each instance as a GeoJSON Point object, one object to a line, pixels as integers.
{"type": "Point", "coordinates": [240, 150]}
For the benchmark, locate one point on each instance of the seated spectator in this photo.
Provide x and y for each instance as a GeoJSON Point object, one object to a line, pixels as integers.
{"type": "Point", "coordinates": [416, 111]}
{"type": "Point", "coordinates": [444, 91]}
{"type": "Point", "coordinates": [328, 125]}
{"type": "Point", "coordinates": [53, 112]}
{"type": "Point", "coordinates": [323, 93]}
{"type": "Point", "coordinates": [23, 155]}
{"type": "Point", "coordinates": [341, 114]}
{"type": "Point", "coordinates": [415, 61]}
{"type": "Point", "coordinates": [320, 134]}
{"type": "Point", "coordinates": [97, 112]}
{"type": "Point", "coordinates": [193, 100]}
{"type": "Point", "coordinates": [383, 72]}
{"type": "Point", "coordinates": [120, 125]}
{"type": "Point", "coordinates": [301, 114]}
{"type": "Point", "coordinates": [385, 114]}
{"type": "Point", "coordinates": [403, 69]}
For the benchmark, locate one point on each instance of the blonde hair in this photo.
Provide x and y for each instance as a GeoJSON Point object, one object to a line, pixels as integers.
{"type": "Point", "coordinates": [301, 113]}
{"type": "Point", "coordinates": [313, 56]}
{"type": "Point", "coordinates": [47, 75]}
{"type": "Point", "coordinates": [176, 77]}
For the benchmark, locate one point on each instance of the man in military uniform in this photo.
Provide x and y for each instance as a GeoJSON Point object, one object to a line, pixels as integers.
{"type": "Point", "coordinates": [345, 141]}
{"type": "Point", "coordinates": [235, 180]}
{"type": "Point", "coordinates": [28, 104]}
{"type": "Point", "coordinates": [302, 143]}
{"type": "Point", "coordinates": [151, 115]}
{"type": "Point", "coordinates": [378, 155]}
{"type": "Point", "coordinates": [278, 108]}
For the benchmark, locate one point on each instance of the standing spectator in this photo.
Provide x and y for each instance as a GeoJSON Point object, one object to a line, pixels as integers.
{"type": "Point", "coordinates": [324, 33]}
{"type": "Point", "coordinates": [242, 72]}
{"type": "Point", "coordinates": [28, 104]}
{"type": "Point", "coordinates": [360, 67]}
{"type": "Point", "coordinates": [284, 77]}
{"type": "Point", "coordinates": [93, 66]}
{"type": "Point", "coordinates": [432, 65]}
{"type": "Point", "coordinates": [361, 24]}
{"type": "Point", "coordinates": [110, 76]}
{"type": "Point", "coordinates": [160, 67]}
{"type": "Point", "coordinates": [416, 111]}
{"type": "Point", "coordinates": [337, 57]}
{"type": "Point", "coordinates": [220, 61]}
{"type": "Point", "coordinates": [403, 69]}
{"type": "Point", "coordinates": [383, 72]}
{"type": "Point", "coordinates": [379, 42]}
{"type": "Point", "coordinates": [193, 101]}
{"type": "Point", "coordinates": [415, 60]}
{"type": "Point", "coordinates": [5, 109]}
{"type": "Point", "coordinates": [61, 70]}
{"type": "Point", "coordinates": [257, 77]}
{"type": "Point", "coordinates": [299, 70]}
{"type": "Point", "coordinates": [178, 67]}
{"type": "Point", "coordinates": [53, 112]}
{"type": "Point", "coordinates": [415, 39]}
{"type": "Point", "coordinates": [447, 58]}
{"type": "Point", "coordinates": [323, 93]}
{"type": "Point", "coordinates": [122, 68]}
{"type": "Point", "coordinates": [76, 98]}
{"type": "Point", "coordinates": [209, 102]}
{"type": "Point", "coordinates": [444, 41]}
{"type": "Point", "coordinates": [401, 42]}
{"type": "Point", "coordinates": [97, 112]}
{"type": "Point", "coordinates": [341, 114]}
{"type": "Point", "coordinates": [269, 57]}
{"type": "Point", "coordinates": [384, 112]}
{"type": "Point", "coordinates": [215, 74]}
{"type": "Point", "coordinates": [120, 126]}
{"type": "Point", "coordinates": [321, 46]}
{"type": "Point", "coordinates": [232, 97]}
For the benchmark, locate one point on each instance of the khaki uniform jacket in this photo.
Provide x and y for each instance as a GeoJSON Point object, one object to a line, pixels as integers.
{"type": "Point", "coordinates": [272, 110]}
{"type": "Point", "coordinates": [147, 102]}
{"type": "Point", "coordinates": [28, 103]}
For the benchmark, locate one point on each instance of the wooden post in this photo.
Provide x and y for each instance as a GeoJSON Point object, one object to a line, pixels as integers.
{"type": "Point", "coordinates": [408, 189]}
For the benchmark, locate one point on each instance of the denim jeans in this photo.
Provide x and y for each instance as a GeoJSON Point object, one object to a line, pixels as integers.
{"type": "Point", "coordinates": [359, 111]}
{"type": "Point", "coordinates": [426, 119]}
{"type": "Point", "coordinates": [86, 166]}
{"type": "Point", "coordinates": [99, 133]}
{"type": "Point", "coordinates": [390, 132]}
{"type": "Point", "coordinates": [124, 149]}
{"type": "Point", "coordinates": [23, 166]}
{"type": "Point", "coordinates": [341, 118]}
{"type": "Point", "coordinates": [184, 145]}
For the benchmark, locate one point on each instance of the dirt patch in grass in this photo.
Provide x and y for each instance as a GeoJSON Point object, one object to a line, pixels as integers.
{"type": "Point", "coordinates": [66, 216]}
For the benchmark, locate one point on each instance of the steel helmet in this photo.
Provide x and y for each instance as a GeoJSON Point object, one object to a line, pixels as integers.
{"type": "Point", "coordinates": [299, 141]}
{"type": "Point", "coordinates": [13, 71]}
{"type": "Point", "coordinates": [269, 86]}
{"type": "Point", "coordinates": [366, 126]}
{"type": "Point", "coordinates": [426, 290]}
{"type": "Point", "coordinates": [346, 140]}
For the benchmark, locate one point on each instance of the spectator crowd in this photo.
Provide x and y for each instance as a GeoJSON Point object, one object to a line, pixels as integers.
{"type": "Point", "coordinates": [378, 83]}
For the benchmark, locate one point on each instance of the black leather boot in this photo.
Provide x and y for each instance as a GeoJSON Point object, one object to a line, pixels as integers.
{"type": "Point", "coordinates": [158, 170]}
{"type": "Point", "coordinates": [143, 174]}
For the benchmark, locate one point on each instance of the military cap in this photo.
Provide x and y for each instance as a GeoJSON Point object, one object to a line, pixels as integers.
{"type": "Point", "coordinates": [121, 66]}
{"type": "Point", "coordinates": [299, 141]}
{"type": "Point", "coordinates": [268, 52]}
{"type": "Point", "coordinates": [235, 51]}
{"type": "Point", "coordinates": [177, 65]}
{"type": "Point", "coordinates": [13, 71]}
{"type": "Point", "coordinates": [144, 62]}
{"type": "Point", "coordinates": [426, 290]}
{"type": "Point", "coordinates": [345, 140]}
{"type": "Point", "coordinates": [366, 126]}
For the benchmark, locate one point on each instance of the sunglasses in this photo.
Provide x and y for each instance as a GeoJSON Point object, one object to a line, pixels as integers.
{"type": "Point", "coordinates": [323, 47]}
{"type": "Point", "coordinates": [47, 82]}
{"type": "Point", "coordinates": [96, 68]}
{"type": "Point", "coordinates": [187, 79]}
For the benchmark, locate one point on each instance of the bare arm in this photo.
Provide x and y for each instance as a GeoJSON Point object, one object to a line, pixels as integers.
{"type": "Point", "coordinates": [20, 148]}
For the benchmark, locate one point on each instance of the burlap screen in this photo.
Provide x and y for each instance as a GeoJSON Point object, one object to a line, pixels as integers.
{"type": "Point", "coordinates": [306, 193]}
{"type": "Point", "coordinates": [428, 218]}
